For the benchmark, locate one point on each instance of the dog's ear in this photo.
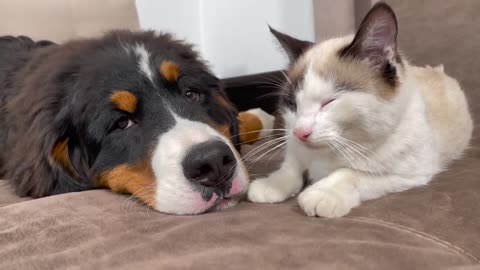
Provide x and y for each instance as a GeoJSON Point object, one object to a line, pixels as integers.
{"type": "Point", "coordinates": [41, 161]}
{"type": "Point", "coordinates": [292, 46]}
{"type": "Point", "coordinates": [69, 152]}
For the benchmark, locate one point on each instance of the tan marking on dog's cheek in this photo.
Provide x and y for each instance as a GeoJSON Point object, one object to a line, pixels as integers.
{"type": "Point", "coordinates": [138, 180]}
{"type": "Point", "coordinates": [60, 155]}
{"type": "Point", "coordinates": [170, 71]}
{"type": "Point", "coordinates": [250, 127]}
{"type": "Point", "coordinates": [124, 100]}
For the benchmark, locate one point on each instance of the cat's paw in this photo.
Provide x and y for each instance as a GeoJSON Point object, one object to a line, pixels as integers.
{"type": "Point", "coordinates": [326, 202]}
{"type": "Point", "coordinates": [265, 190]}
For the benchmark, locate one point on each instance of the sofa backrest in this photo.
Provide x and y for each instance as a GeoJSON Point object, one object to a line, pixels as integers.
{"type": "Point", "coordinates": [444, 32]}
{"type": "Point", "coordinates": [60, 20]}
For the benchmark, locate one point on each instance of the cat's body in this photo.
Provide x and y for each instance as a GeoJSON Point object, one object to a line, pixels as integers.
{"type": "Point", "coordinates": [363, 122]}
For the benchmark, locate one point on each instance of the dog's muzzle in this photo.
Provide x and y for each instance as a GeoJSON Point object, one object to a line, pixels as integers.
{"type": "Point", "coordinates": [197, 170]}
{"type": "Point", "coordinates": [211, 165]}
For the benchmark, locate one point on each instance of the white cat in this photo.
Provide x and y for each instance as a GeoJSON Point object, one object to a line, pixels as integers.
{"type": "Point", "coordinates": [362, 121]}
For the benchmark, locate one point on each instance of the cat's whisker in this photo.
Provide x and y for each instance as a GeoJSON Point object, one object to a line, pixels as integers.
{"type": "Point", "coordinates": [354, 154]}
{"type": "Point", "coordinates": [371, 164]}
{"type": "Point", "coordinates": [273, 155]}
{"type": "Point", "coordinates": [335, 147]}
{"type": "Point", "coordinates": [357, 144]}
{"type": "Point", "coordinates": [262, 147]}
{"type": "Point", "coordinates": [254, 131]}
{"type": "Point", "coordinates": [259, 150]}
{"type": "Point", "coordinates": [263, 137]}
{"type": "Point", "coordinates": [287, 79]}
{"type": "Point", "coordinates": [347, 154]}
{"type": "Point", "coordinates": [273, 94]}
{"type": "Point", "coordinates": [274, 79]}
{"type": "Point", "coordinates": [258, 158]}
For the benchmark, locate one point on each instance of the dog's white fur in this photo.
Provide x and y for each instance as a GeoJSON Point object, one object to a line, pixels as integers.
{"type": "Point", "coordinates": [410, 137]}
{"type": "Point", "coordinates": [173, 193]}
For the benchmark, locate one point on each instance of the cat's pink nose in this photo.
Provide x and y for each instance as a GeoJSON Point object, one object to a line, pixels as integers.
{"type": "Point", "coordinates": [302, 133]}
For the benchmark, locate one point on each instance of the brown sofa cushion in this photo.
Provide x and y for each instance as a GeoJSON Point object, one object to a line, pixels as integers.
{"type": "Point", "coordinates": [434, 227]}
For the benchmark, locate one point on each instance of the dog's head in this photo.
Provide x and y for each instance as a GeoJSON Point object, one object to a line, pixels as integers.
{"type": "Point", "coordinates": [138, 113]}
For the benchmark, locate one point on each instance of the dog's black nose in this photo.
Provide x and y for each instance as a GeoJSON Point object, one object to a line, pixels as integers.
{"type": "Point", "coordinates": [209, 164]}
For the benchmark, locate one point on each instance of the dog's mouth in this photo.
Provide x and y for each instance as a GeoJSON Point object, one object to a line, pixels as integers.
{"type": "Point", "coordinates": [225, 203]}
{"type": "Point", "coordinates": [230, 199]}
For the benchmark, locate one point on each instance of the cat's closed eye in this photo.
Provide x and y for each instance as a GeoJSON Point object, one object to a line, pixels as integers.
{"type": "Point", "coordinates": [327, 101]}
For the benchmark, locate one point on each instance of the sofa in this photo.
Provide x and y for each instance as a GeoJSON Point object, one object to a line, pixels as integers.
{"type": "Point", "coordinates": [432, 227]}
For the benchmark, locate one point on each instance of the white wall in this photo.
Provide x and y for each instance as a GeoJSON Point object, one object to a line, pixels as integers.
{"type": "Point", "coordinates": [232, 34]}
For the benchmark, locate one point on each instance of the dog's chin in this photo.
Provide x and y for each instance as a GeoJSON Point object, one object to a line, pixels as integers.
{"type": "Point", "coordinates": [225, 203]}
{"type": "Point", "coordinates": [229, 200]}
{"type": "Point", "coordinates": [216, 203]}
{"type": "Point", "coordinates": [194, 201]}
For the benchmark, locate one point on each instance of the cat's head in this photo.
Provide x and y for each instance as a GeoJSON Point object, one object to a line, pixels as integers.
{"type": "Point", "coordinates": [348, 87]}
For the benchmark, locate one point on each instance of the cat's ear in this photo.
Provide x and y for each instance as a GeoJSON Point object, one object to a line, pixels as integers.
{"type": "Point", "coordinates": [376, 38]}
{"type": "Point", "coordinates": [292, 46]}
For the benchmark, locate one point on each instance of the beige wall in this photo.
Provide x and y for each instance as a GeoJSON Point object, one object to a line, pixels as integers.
{"type": "Point", "coordinates": [59, 20]}
{"type": "Point", "coordinates": [333, 18]}
{"type": "Point", "coordinates": [338, 18]}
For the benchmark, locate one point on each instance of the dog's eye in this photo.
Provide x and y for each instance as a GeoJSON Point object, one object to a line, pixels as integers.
{"type": "Point", "coordinates": [193, 96]}
{"type": "Point", "coordinates": [125, 122]}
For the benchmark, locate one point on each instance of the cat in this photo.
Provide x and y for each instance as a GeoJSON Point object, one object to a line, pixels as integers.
{"type": "Point", "coordinates": [361, 121]}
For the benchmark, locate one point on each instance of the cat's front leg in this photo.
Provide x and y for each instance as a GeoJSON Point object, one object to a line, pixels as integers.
{"type": "Point", "coordinates": [278, 186]}
{"type": "Point", "coordinates": [344, 189]}
{"type": "Point", "coordinates": [332, 196]}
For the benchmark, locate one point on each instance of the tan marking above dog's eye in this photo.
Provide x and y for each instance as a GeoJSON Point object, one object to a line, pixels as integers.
{"type": "Point", "coordinates": [124, 100]}
{"type": "Point", "coordinates": [170, 71]}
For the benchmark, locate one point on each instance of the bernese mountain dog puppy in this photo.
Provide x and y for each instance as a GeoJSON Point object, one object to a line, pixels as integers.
{"type": "Point", "coordinates": [136, 112]}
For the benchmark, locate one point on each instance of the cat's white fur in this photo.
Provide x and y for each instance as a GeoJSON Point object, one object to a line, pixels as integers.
{"type": "Point", "coordinates": [401, 143]}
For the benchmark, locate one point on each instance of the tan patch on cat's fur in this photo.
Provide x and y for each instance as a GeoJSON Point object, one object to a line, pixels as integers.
{"type": "Point", "coordinates": [446, 104]}
{"type": "Point", "coordinates": [296, 73]}
{"type": "Point", "coordinates": [357, 75]}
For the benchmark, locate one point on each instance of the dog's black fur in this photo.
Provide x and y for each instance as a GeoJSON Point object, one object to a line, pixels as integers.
{"type": "Point", "coordinates": [53, 93]}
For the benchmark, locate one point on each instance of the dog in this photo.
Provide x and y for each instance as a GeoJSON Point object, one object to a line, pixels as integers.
{"type": "Point", "coordinates": [135, 112]}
